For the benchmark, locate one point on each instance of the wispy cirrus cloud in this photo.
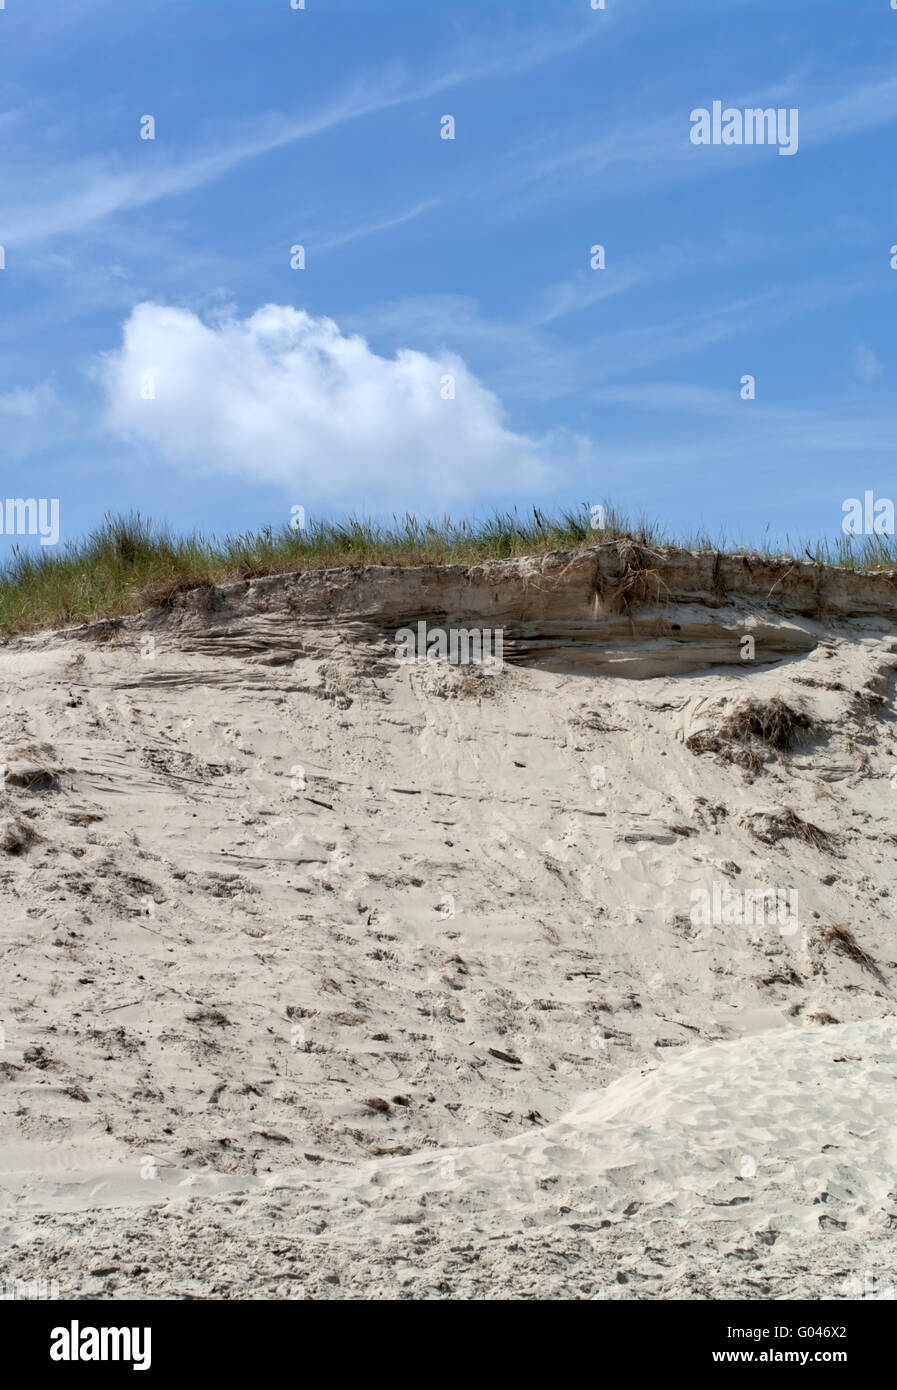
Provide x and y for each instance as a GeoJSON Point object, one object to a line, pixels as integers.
{"type": "Point", "coordinates": [538, 366]}
{"type": "Point", "coordinates": [329, 242]}
{"type": "Point", "coordinates": [68, 197]}
{"type": "Point", "coordinates": [629, 273]}
{"type": "Point", "coordinates": [26, 404]}
{"type": "Point", "coordinates": [636, 155]}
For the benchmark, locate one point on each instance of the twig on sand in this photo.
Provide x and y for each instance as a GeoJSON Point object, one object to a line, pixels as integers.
{"type": "Point", "coordinates": [505, 1057]}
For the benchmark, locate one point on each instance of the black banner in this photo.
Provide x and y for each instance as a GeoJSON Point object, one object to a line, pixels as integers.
{"type": "Point", "coordinates": [161, 1338]}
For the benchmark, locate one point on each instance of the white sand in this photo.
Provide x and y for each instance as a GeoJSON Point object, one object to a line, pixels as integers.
{"type": "Point", "coordinates": [234, 932]}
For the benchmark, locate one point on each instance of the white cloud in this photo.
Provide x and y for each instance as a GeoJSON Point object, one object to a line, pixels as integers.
{"type": "Point", "coordinates": [283, 397]}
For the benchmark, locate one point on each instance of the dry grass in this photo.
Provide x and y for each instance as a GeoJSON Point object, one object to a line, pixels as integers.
{"type": "Point", "coordinates": [773, 722]}
{"type": "Point", "coordinates": [31, 768]}
{"type": "Point", "coordinates": [752, 727]}
{"type": "Point", "coordinates": [709, 742]}
{"type": "Point", "coordinates": [772, 826]}
{"type": "Point", "coordinates": [17, 836]}
{"type": "Point", "coordinates": [842, 939]}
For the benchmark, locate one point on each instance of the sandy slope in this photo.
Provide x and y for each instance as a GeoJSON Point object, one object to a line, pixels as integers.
{"type": "Point", "coordinates": [275, 906]}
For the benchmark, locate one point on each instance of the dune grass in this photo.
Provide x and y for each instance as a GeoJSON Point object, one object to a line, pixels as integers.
{"type": "Point", "coordinates": [130, 563]}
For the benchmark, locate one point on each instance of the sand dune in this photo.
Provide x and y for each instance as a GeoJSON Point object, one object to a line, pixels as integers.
{"type": "Point", "coordinates": [327, 975]}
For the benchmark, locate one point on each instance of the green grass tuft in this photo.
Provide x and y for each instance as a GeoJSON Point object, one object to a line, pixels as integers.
{"type": "Point", "coordinates": [130, 563]}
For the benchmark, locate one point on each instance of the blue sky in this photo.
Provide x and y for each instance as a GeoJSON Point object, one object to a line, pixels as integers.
{"type": "Point", "coordinates": [168, 260]}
